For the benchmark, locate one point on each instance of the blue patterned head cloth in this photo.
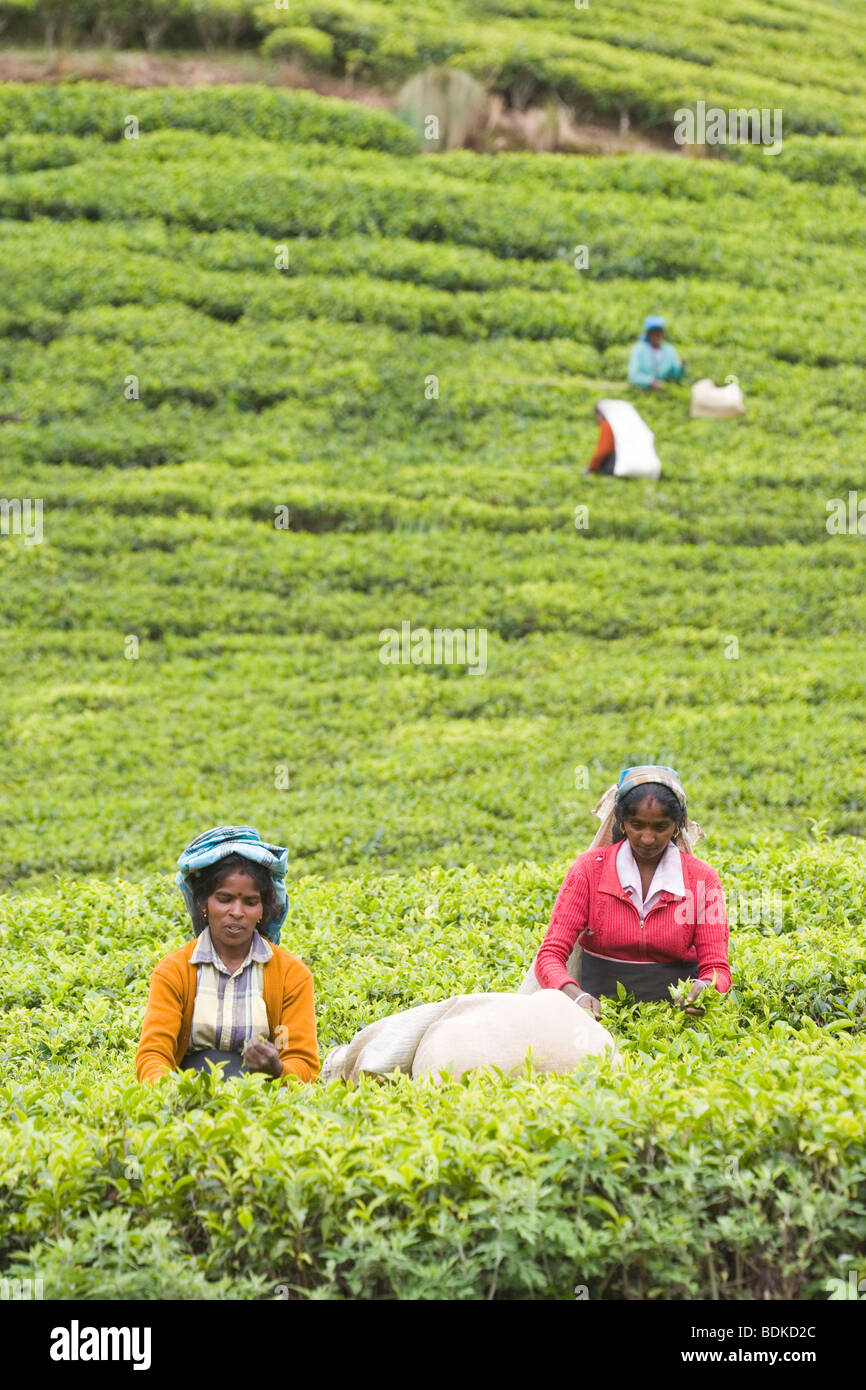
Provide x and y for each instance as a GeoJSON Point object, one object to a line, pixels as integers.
{"type": "Point", "coordinates": [652, 321]}
{"type": "Point", "coordinates": [632, 777]}
{"type": "Point", "coordinates": [222, 841]}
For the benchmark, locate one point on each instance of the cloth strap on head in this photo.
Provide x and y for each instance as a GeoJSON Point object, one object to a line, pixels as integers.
{"type": "Point", "coordinates": [218, 844]}
{"type": "Point", "coordinates": [632, 777]}
{"type": "Point", "coordinates": [685, 838]}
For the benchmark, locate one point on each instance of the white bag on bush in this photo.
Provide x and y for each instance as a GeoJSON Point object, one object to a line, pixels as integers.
{"type": "Point", "coordinates": [470, 1031]}
{"type": "Point", "coordinates": [389, 1044]}
{"type": "Point", "coordinates": [711, 402]}
{"type": "Point", "coordinates": [480, 1030]}
{"type": "Point", "coordinates": [633, 441]}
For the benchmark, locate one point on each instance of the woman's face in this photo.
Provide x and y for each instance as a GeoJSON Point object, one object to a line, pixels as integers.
{"type": "Point", "coordinates": [655, 336]}
{"type": "Point", "coordinates": [234, 910]}
{"type": "Point", "coordinates": [649, 830]}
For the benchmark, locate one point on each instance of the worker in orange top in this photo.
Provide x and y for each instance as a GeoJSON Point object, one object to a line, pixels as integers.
{"type": "Point", "coordinates": [233, 995]}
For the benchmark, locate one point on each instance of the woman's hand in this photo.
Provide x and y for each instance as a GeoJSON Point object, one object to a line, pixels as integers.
{"type": "Point", "coordinates": [683, 1002]}
{"type": "Point", "coordinates": [585, 1000]}
{"type": "Point", "coordinates": [261, 1055]}
{"type": "Point", "coordinates": [590, 1003]}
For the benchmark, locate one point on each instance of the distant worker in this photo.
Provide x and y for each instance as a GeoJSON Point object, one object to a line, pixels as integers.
{"type": "Point", "coordinates": [626, 444]}
{"type": "Point", "coordinates": [653, 361]}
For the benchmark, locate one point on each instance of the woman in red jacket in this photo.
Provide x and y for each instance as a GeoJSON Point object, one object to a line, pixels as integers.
{"type": "Point", "coordinates": [643, 909]}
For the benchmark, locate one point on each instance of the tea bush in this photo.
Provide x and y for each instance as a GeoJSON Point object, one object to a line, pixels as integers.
{"type": "Point", "coordinates": [304, 387]}
{"type": "Point", "coordinates": [97, 108]}
{"type": "Point", "coordinates": [725, 1159]}
{"type": "Point", "coordinates": [610, 59]}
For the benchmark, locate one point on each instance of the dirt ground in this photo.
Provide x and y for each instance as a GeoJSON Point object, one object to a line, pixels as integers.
{"type": "Point", "coordinates": [538, 128]}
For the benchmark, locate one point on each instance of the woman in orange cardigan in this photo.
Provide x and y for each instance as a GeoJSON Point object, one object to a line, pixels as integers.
{"type": "Point", "coordinates": [232, 995]}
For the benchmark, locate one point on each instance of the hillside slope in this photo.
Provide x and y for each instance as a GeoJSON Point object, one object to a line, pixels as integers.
{"type": "Point", "coordinates": [258, 689]}
{"type": "Point", "coordinates": [631, 59]}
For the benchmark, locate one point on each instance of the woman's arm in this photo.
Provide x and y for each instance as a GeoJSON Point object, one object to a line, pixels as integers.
{"type": "Point", "coordinates": [711, 935]}
{"type": "Point", "coordinates": [296, 1036]}
{"type": "Point", "coordinates": [569, 916]}
{"type": "Point", "coordinates": [160, 1029]}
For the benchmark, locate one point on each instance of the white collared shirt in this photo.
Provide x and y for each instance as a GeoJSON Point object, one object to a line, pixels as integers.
{"type": "Point", "coordinates": [668, 876]}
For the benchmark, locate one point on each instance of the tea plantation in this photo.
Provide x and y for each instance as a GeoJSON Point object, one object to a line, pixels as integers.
{"type": "Point", "coordinates": [281, 382]}
{"type": "Point", "coordinates": [630, 59]}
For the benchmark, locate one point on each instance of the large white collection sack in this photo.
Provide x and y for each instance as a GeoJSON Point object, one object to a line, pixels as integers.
{"type": "Point", "coordinates": [472, 1031]}
{"type": "Point", "coordinates": [711, 402]}
{"type": "Point", "coordinates": [633, 441]}
{"type": "Point", "coordinates": [388, 1044]}
{"type": "Point", "coordinates": [480, 1030]}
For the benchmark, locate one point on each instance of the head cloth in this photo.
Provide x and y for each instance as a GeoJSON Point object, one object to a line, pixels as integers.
{"type": "Point", "coordinates": [222, 841]}
{"type": "Point", "coordinates": [630, 777]}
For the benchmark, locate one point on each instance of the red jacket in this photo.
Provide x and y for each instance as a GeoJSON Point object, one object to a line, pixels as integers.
{"type": "Point", "coordinates": [593, 909]}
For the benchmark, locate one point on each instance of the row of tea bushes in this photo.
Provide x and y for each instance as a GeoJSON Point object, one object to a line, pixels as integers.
{"type": "Point", "coordinates": [725, 1160]}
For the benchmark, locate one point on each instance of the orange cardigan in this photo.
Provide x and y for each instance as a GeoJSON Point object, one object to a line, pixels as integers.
{"type": "Point", "coordinates": [288, 996]}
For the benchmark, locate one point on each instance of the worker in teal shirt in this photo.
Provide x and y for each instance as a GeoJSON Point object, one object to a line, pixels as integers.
{"type": "Point", "coordinates": [653, 361]}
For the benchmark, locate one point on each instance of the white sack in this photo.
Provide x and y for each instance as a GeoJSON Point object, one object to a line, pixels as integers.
{"type": "Point", "coordinates": [711, 402]}
{"type": "Point", "coordinates": [389, 1044]}
{"type": "Point", "coordinates": [500, 1029]}
{"type": "Point", "coordinates": [633, 441]}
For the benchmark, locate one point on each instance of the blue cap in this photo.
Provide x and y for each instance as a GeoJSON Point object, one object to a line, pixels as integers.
{"type": "Point", "coordinates": [653, 321]}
